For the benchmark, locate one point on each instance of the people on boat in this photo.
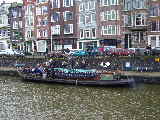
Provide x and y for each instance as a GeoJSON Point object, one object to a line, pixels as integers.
{"type": "Point", "coordinates": [39, 69]}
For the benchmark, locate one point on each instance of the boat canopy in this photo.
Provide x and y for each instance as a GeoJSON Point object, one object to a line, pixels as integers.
{"type": "Point", "coordinates": [74, 70]}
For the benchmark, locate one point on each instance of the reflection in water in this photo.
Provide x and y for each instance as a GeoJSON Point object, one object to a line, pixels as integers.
{"type": "Point", "coordinates": [31, 101]}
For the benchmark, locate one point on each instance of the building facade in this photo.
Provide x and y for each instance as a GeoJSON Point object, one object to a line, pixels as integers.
{"type": "Point", "coordinates": [111, 31]}
{"type": "Point", "coordinates": [42, 25]}
{"type": "Point", "coordinates": [75, 24]}
{"type": "Point", "coordinates": [135, 13]}
{"type": "Point", "coordinates": [87, 24]}
{"type": "Point", "coordinates": [64, 21]}
{"type": "Point", "coordinates": [29, 26]}
{"type": "Point", "coordinates": [15, 20]}
{"type": "Point", "coordinates": [4, 26]}
{"type": "Point", "coordinates": [154, 24]}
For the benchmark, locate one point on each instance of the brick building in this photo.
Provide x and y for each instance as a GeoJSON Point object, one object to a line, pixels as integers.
{"type": "Point", "coordinates": [110, 23]}
{"type": "Point", "coordinates": [64, 21]}
{"type": "Point", "coordinates": [42, 25]}
{"type": "Point", "coordinates": [75, 24]}
{"type": "Point", "coordinates": [15, 20]}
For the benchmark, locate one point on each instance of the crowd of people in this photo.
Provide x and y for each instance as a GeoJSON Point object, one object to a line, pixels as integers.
{"type": "Point", "coordinates": [137, 64]}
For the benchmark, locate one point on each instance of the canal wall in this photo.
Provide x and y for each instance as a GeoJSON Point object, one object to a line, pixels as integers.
{"type": "Point", "coordinates": [8, 71]}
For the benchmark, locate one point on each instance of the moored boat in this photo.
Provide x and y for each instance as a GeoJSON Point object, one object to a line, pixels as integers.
{"type": "Point", "coordinates": [78, 77]}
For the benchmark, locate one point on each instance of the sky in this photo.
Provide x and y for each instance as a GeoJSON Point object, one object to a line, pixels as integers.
{"type": "Point", "coordinates": [10, 1]}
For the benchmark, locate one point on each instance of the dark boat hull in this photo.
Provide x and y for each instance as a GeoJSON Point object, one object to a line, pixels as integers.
{"type": "Point", "coordinates": [86, 82]}
{"type": "Point", "coordinates": [124, 82]}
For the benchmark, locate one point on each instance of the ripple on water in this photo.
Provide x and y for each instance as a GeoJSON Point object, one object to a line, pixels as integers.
{"type": "Point", "coordinates": [31, 101]}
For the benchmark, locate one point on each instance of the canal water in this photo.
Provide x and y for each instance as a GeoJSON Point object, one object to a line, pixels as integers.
{"type": "Point", "coordinates": [21, 100]}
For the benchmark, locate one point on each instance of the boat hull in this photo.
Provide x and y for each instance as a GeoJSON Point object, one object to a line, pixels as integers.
{"type": "Point", "coordinates": [87, 82]}
{"type": "Point", "coordinates": [124, 82]}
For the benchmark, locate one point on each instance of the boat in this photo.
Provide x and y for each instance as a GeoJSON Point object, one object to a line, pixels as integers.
{"type": "Point", "coordinates": [78, 77]}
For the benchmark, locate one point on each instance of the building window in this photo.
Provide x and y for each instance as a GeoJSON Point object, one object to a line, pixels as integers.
{"type": "Point", "coordinates": [105, 2]}
{"type": "Point", "coordinates": [88, 19]}
{"type": "Point", "coordinates": [55, 3]}
{"type": "Point", "coordinates": [1, 20]}
{"type": "Point", "coordinates": [153, 41]}
{"type": "Point", "coordinates": [91, 5]}
{"type": "Point", "coordinates": [44, 10]}
{"type": "Point", "coordinates": [81, 7]}
{"type": "Point", "coordinates": [29, 10]}
{"type": "Point", "coordinates": [45, 33]}
{"type": "Point", "coordinates": [110, 15]}
{"type": "Point", "coordinates": [155, 26]}
{"type": "Point", "coordinates": [68, 29]}
{"type": "Point", "coordinates": [15, 25]}
{"type": "Point", "coordinates": [86, 5]}
{"type": "Point", "coordinates": [4, 33]}
{"type": "Point", "coordinates": [113, 2]}
{"type": "Point", "coordinates": [155, 11]}
{"type": "Point", "coordinates": [139, 4]}
{"type": "Point", "coordinates": [55, 30]}
{"type": "Point", "coordinates": [68, 15]}
{"type": "Point", "coordinates": [81, 33]}
{"type": "Point", "coordinates": [30, 33]}
{"type": "Point", "coordinates": [127, 20]}
{"type": "Point", "coordinates": [80, 45]}
{"type": "Point", "coordinates": [113, 15]}
{"type": "Point", "coordinates": [142, 4]}
{"type": "Point", "coordinates": [55, 17]}
{"type": "Point", "coordinates": [111, 30]}
{"type": "Point", "coordinates": [93, 32]}
{"type": "Point", "coordinates": [38, 21]}
{"type": "Point", "coordinates": [14, 14]}
{"type": "Point", "coordinates": [20, 13]}
{"type": "Point", "coordinates": [44, 22]}
{"type": "Point", "coordinates": [109, 2]}
{"type": "Point", "coordinates": [67, 3]}
{"type": "Point", "coordinates": [20, 24]}
{"type": "Point", "coordinates": [128, 5]}
{"type": "Point", "coordinates": [87, 33]}
{"type": "Point", "coordinates": [140, 19]}
{"type": "Point", "coordinates": [82, 19]}
{"type": "Point", "coordinates": [93, 16]}
{"type": "Point", "coordinates": [38, 11]}
{"type": "Point", "coordinates": [41, 1]}
{"type": "Point", "coordinates": [104, 30]}
{"type": "Point", "coordinates": [114, 30]}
